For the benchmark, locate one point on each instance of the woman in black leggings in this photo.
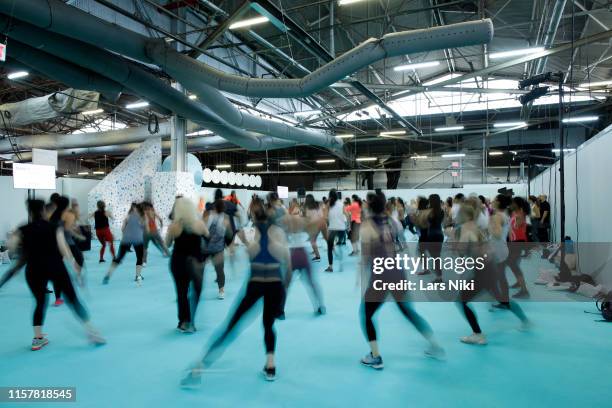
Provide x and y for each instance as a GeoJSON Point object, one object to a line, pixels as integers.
{"type": "Point", "coordinates": [267, 252]}
{"type": "Point", "coordinates": [378, 241]}
{"type": "Point", "coordinates": [42, 250]}
{"type": "Point", "coordinates": [186, 263]}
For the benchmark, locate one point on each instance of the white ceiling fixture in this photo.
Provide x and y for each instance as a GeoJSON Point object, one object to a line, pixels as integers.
{"type": "Point", "coordinates": [417, 156]}
{"type": "Point", "coordinates": [18, 74]}
{"type": "Point", "coordinates": [392, 133]}
{"type": "Point", "coordinates": [200, 133]}
{"type": "Point", "coordinates": [347, 2]}
{"type": "Point", "coordinates": [92, 112]}
{"type": "Point", "coordinates": [288, 163]}
{"type": "Point", "coordinates": [99, 172]}
{"type": "Point", "coordinates": [248, 22]}
{"type": "Point", "coordinates": [514, 53]}
{"type": "Point", "coordinates": [137, 105]}
{"type": "Point", "coordinates": [595, 84]}
{"type": "Point", "coordinates": [509, 124]}
{"type": "Point", "coordinates": [83, 173]}
{"type": "Point", "coordinates": [566, 150]}
{"type": "Point", "coordinates": [448, 128]}
{"type": "Point", "coordinates": [417, 65]}
{"type": "Point", "coordinates": [307, 113]}
{"type": "Point", "coordinates": [451, 155]}
{"type": "Point", "coordinates": [345, 136]}
{"type": "Point", "coordinates": [366, 159]}
{"type": "Point", "coordinates": [254, 164]}
{"type": "Point", "coordinates": [193, 97]}
{"type": "Point", "coordinates": [495, 153]}
{"type": "Point", "coordinates": [581, 119]}
{"type": "Point", "coordinates": [325, 161]}
{"type": "Point", "coordinates": [223, 166]}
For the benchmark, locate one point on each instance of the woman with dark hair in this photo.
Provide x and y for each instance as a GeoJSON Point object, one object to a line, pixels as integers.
{"type": "Point", "coordinates": [314, 224]}
{"type": "Point", "coordinates": [432, 218]}
{"type": "Point", "coordinates": [220, 231]}
{"type": "Point", "coordinates": [153, 232]}
{"type": "Point", "coordinates": [335, 226]}
{"type": "Point", "coordinates": [419, 219]}
{"type": "Point", "coordinates": [42, 248]}
{"type": "Point", "coordinates": [378, 241]}
{"type": "Point", "coordinates": [134, 228]}
{"type": "Point", "coordinates": [517, 242]}
{"type": "Point", "coordinates": [354, 209]}
{"type": "Point", "coordinates": [65, 219]}
{"type": "Point", "coordinates": [267, 252]}
{"type": "Point", "coordinates": [102, 227]}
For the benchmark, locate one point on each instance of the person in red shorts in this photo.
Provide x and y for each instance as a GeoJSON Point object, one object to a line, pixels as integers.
{"type": "Point", "coordinates": [102, 227]}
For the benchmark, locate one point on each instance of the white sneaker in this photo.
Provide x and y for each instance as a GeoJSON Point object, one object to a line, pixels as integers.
{"type": "Point", "coordinates": [221, 295]}
{"type": "Point", "coordinates": [475, 338]}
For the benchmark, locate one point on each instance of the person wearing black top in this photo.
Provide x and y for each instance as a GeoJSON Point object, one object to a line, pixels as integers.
{"type": "Point", "coordinates": [42, 248]}
{"type": "Point", "coordinates": [186, 262]}
{"type": "Point", "coordinates": [102, 227]}
{"type": "Point", "coordinates": [544, 219]}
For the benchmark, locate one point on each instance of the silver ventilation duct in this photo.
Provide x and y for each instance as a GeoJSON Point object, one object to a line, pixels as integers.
{"type": "Point", "coordinates": [193, 144]}
{"type": "Point", "coordinates": [64, 72]}
{"type": "Point", "coordinates": [55, 16]}
{"type": "Point", "coordinates": [132, 76]}
{"type": "Point", "coordinates": [95, 139]}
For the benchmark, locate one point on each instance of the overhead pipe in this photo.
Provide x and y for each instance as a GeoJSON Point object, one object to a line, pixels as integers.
{"type": "Point", "coordinates": [65, 72]}
{"type": "Point", "coordinates": [216, 102]}
{"type": "Point", "coordinates": [94, 139]}
{"type": "Point", "coordinates": [550, 34]}
{"type": "Point", "coordinates": [193, 144]}
{"type": "Point", "coordinates": [132, 76]}
{"type": "Point", "coordinates": [58, 17]}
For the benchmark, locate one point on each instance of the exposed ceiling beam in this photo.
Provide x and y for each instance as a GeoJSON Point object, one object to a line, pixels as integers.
{"type": "Point", "coordinates": [604, 35]}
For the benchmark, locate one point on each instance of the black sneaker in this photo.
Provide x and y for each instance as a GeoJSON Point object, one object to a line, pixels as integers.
{"type": "Point", "coordinates": [269, 373]}
{"type": "Point", "coordinates": [321, 311]}
{"type": "Point", "coordinates": [316, 259]}
{"type": "Point", "coordinates": [101, 261]}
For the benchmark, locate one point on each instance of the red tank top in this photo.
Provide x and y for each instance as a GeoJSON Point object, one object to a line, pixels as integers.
{"type": "Point", "coordinates": [517, 233]}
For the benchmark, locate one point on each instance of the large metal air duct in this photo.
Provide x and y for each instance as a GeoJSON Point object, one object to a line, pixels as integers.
{"type": "Point", "coordinates": [193, 144]}
{"type": "Point", "coordinates": [94, 139]}
{"type": "Point", "coordinates": [132, 76]}
{"type": "Point", "coordinates": [70, 21]}
{"type": "Point", "coordinates": [62, 71]}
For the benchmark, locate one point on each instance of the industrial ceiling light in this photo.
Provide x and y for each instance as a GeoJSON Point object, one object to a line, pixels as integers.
{"type": "Point", "coordinates": [566, 150]}
{"type": "Point", "coordinates": [223, 166]}
{"type": "Point", "coordinates": [18, 74]}
{"type": "Point", "coordinates": [581, 119]}
{"type": "Point", "coordinates": [347, 2]}
{"type": "Point", "coordinates": [248, 22]}
{"type": "Point", "coordinates": [366, 159]}
{"type": "Point", "coordinates": [288, 163]}
{"type": "Point", "coordinates": [307, 113]}
{"type": "Point", "coordinates": [392, 133]}
{"type": "Point", "coordinates": [595, 84]}
{"type": "Point", "coordinates": [451, 155]}
{"type": "Point", "coordinates": [495, 153]}
{"type": "Point", "coordinates": [417, 65]}
{"type": "Point", "coordinates": [200, 133]}
{"type": "Point", "coordinates": [345, 136]}
{"type": "Point", "coordinates": [324, 161]}
{"type": "Point", "coordinates": [254, 164]}
{"type": "Point", "coordinates": [98, 172]}
{"type": "Point", "coordinates": [514, 53]}
{"type": "Point", "coordinates": [449, 128]}
{"type": "Point", "coordinates": [92, 112]}
{"type": "Point", "coordinates": [83, 173]}
{"type": "Point", "coordinates": [509, 124]}
{"type": "Point", "coordinates": [193, 97]}
{"type": "Point", "coordinates": [417, 156]}
{"type": "Point", "coordinates": [137, 105]}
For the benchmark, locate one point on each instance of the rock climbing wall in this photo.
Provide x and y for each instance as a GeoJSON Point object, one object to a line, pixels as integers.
{"type": "Point", "coordinates": [129, 182]}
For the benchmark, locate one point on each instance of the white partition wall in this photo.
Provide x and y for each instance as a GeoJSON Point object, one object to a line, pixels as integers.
{"type": "Point", "coordinates": [588, 196]}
